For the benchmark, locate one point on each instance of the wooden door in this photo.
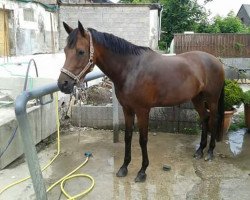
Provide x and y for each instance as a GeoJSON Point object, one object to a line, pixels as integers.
{"type": "Point", "coordinates": [4, 34]}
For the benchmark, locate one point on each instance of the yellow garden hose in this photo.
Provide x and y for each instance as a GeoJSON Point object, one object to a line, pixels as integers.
{"type": "Point", "coordinates": [70, 176]}
{"type": "Point", "coordinates": [65, 178]}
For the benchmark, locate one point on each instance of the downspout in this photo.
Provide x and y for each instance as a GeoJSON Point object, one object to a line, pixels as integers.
{"type": "Point", "coordinates": [159, 33]}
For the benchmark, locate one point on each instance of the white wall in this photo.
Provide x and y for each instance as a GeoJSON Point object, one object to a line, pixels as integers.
{"type": "Point", "coordinates": [30, 37]}
{"type": "Point", "coordinates": [154, 29]}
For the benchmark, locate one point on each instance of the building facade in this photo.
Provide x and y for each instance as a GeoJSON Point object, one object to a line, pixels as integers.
{"type": "Point", "coordinates": [244, 14]}
{"type": "Point", "coordinates": [27, 28]}
{"type": "Point", "coordinates": [137, 23]}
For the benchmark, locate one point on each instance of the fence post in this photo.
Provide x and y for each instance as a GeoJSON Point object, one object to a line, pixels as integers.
{"type": "Point", "coordinates": [115, 116]}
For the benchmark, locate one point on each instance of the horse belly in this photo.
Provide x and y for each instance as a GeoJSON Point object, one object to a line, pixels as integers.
{"type": "Point", "coordinates": [151, 97]}
{"type": "Point", "coordinates": [179, 93]}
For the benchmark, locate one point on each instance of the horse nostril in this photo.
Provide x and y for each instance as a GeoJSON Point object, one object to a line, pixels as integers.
{"type": "Point", "coordinates": [65, 83]}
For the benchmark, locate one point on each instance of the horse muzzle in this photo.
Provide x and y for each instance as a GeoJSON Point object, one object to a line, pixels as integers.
{"type": "Point", "coordinates": [66, 87]}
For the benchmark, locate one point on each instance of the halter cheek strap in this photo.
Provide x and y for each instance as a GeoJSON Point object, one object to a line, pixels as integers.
{"type": "Point", "coordinates": [86, 68]}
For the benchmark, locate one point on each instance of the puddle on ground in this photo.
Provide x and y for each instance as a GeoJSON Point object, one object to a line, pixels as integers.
{"type": "Point", "coordinates": [236, 139]}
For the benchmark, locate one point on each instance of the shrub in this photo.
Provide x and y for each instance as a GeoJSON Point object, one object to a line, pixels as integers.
{"type": "Point", "coordinates": [233, 94]}
{"type": "Point", "coordinates": [246, 97]}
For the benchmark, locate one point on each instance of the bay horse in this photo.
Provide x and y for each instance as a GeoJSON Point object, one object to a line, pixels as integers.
{"type": "Point", "coordinates": [144, 79]}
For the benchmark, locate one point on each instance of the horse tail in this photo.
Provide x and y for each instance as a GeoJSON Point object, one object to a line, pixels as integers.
{"type": "Point", "coordinates": [220, 122]}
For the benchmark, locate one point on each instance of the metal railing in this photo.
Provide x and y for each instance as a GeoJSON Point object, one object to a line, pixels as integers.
{"type": "Point", "coordinates": [26, 134]}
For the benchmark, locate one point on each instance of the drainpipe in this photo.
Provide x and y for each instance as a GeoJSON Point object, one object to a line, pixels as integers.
{"type": "Point", "coordinates": [159, 33]}
{"type": "Point", "coordinates": [26, 133]}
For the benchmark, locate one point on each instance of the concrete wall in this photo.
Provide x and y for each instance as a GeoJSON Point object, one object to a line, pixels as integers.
{"type": "Point", "coordinates": [182, 119]}
{"type": "Point", "coordinates": [237, 62]}
{"type": "Point", "coordinates": [232, 66]}
{"type": "Point", "coordinates": [42, 122]}
{"type": "Point", "coordinates": [131, 22]}
{"type": "Point", "coordinates": [30, 37]}
{"type": "Point", "coordinates": [42, 119]}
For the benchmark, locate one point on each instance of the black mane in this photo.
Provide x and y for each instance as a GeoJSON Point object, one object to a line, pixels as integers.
{"type": "Point", "coordinates": [110, 41]}
{"type": "Point", "coordinates": [116, 44]}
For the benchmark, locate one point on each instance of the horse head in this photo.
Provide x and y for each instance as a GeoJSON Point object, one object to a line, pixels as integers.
{"type": "Point", "coordinates": [79, 53]}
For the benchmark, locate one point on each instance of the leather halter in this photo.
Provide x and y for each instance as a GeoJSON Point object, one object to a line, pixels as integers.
{"type": "Point", "coordinates": [89, 64]}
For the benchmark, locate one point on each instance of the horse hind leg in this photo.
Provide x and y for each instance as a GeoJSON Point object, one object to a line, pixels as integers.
{"type": "Point", "coordinates": [129, 116]}
{"type": "Point", "coordinates": [200, 107]}
{"type": "Point", "coordinates": [215, 102]}
{"type": "Point", "coordinates": [213, 124]}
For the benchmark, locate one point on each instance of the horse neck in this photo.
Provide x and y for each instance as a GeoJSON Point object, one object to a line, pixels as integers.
{"type": "Point", "coordinates": [113, 65]}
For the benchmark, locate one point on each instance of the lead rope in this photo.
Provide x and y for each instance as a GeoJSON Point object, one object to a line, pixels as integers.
{"type": "Point", "coordinates": [89, 64]}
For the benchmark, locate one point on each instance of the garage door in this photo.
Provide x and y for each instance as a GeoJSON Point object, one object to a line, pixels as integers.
{"type": "Point", "coordinates": [4, 44]}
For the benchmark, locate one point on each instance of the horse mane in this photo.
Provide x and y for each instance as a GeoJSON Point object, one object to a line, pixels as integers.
{"type": "Point", "coordinates": [117, 44]}
{"type": "Point", "coordinates": [110, 41]}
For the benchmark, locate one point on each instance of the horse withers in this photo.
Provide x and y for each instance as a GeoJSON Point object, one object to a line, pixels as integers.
{"type": "Point", "coordinates": [144, 79]}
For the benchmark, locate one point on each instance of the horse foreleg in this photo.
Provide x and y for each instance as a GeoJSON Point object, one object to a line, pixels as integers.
{"type": "Point", "coordinates": [143, 118]}
{"type": "Point", "coordinates": [129, 121]}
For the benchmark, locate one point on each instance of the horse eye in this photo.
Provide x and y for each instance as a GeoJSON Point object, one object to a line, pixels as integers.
{"type": "Point", "coordinates": [80, 53]}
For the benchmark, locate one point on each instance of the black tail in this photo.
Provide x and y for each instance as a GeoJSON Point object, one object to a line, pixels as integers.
{"type": "Point", "coordinates": [220, 122]}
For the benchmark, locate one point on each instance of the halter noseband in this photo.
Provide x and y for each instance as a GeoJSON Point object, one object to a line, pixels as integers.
{"type": "Point", "coordinates": [89, 64]}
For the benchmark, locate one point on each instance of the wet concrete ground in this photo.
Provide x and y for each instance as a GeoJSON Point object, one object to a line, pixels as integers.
{"type": "Point", "coordinates": [226, 177]}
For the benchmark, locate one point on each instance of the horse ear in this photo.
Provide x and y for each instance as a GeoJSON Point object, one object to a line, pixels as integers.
{"type": "Point", "coordinates": [81, 29]}
{"type": "Point", "coordinates": [67, 28]}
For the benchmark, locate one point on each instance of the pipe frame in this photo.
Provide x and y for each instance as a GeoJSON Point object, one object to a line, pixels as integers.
{"type": "Point", "coordinates": [26, 133]}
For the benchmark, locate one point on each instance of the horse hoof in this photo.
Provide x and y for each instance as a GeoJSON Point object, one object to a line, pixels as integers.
{"type": "Point", "coordinates": [123, 171]}
{"type": "Point", "coordinates": [209, 157]}
{"type": "Point", "coordinates": [141, 177]}
{"type": "Point", "coordinates": [198, 154]}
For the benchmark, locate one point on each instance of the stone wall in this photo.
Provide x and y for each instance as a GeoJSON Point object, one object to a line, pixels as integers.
{"type": "Point", "coordinates": [131, 22]}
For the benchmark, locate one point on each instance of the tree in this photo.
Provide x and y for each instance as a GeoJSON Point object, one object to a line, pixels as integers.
{"type": "Point", "coordinates": [187, 15]}
{"type": "Point", "coordinates": [229, 24]}
{"type": "Point", "coordinates": [179, 16]}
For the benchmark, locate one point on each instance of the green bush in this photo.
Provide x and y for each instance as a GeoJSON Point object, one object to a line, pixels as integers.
{"type": "Point", "coordinates": [246, 97]}
{"type": "Point", "coordinates": [233, 94]}
{"type": "Point", "coordinates": [238, 122]}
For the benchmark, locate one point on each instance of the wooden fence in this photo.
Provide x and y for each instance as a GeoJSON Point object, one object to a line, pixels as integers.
{"type": "Point", "coordinates": [226, 45]}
